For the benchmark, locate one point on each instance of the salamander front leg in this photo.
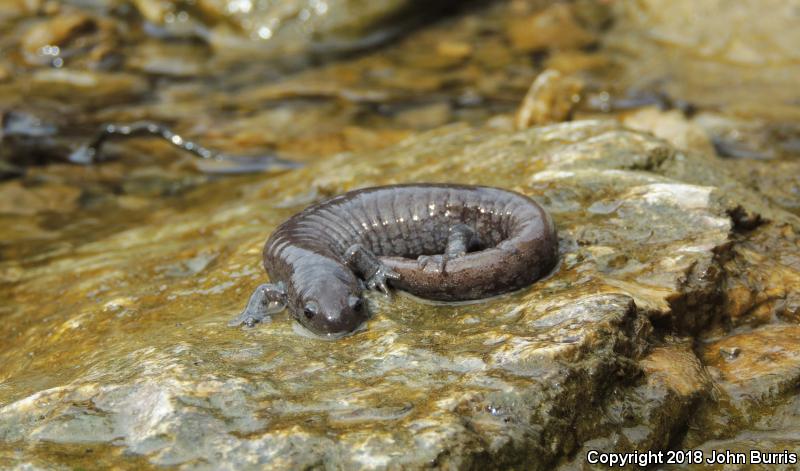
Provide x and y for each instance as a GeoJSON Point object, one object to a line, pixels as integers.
{"type": "Point", "coordinates": [460, 240]}
{"type": "Point", "coordinates": [266, 300]}
{"type": "Point", "coordinates": [366, 264]}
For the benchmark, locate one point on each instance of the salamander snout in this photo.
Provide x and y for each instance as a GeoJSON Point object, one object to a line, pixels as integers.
{"type": "Point", "coordinates": [333, 312]}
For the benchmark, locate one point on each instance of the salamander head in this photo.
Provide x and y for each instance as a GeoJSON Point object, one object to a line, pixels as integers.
{"type": "Point", "coordinates": [332, 306]}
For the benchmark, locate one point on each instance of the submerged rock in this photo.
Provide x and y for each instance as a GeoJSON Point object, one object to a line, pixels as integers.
{"type": "Point", "coordinates": [287, 28]}
{"type": "Point", "coordinates": [118, 346]}
{"type": "Point", "coordinates": [554, 27]}
{"type": "Point", "coordinates": [738, 57]}
{"type": "Point", "coordinates": [94, 88]}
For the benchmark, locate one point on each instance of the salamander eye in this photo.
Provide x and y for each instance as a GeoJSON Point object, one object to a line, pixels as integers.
{"type": "Point", "coordinates": [355, 303]}
{"type": "Point", "coordinates": [310, 311]}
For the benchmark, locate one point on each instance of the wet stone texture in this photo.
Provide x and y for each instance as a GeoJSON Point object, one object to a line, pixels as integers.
{"type": "Point", "coordinates": [121, 347]}
{"type": "Point", "coordinates": [670, 323]}
{"type": "Point", "coordinates": [270, 28]}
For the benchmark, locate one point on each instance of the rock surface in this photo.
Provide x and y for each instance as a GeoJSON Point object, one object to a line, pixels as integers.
{"type": "Point", "coordinates": [671, 322]}
{"type": "Point", "coordinates": [720, 37]}
{"type": "Point", "coordinates": [287, 28]}
{"type": "Point", "coordinates": [147, 368]}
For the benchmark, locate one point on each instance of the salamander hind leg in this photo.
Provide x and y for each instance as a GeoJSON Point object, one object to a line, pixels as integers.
{"type": "Point", "coordinates": [368, 266]}
{"type": "Point", "coordinates": [266, 300]}
{"type": "Point", "coordinates": [461, 239]}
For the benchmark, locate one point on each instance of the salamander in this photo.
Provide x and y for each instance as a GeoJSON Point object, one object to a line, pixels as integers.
{"type": "Point", "coordinates": [437, 241]}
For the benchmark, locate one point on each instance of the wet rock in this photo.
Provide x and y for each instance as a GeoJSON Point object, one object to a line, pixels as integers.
{"type": "Point", "coordinates": [17, 8]}
{"type": "Point", "coordinates": [287, 29]}
{"type": "Point", "coordinates": [672, 126]}
{"type": "Point", "coordinates": [17, 198]}
{"type": "Point", "coordinates": [191, 266]}
{"type": "Point", "coordinates": [776, 180]}
{"type": "Point", "coordinates": [754, 367]}
{"type": "Point", "coordinates": [727, 56]}
{"type": "Point", "coordinates": [8, 170]}
{"type": "Point", "coordinates": [653, 412]}
{"type": "Point", "coordinates": [762, 275]}
{"type": "Point", "coordinates": [766, 368]}
{"type": "Point", "coordinates": [68, 38]}
{"type": "Point", "coordinates": [174, 60]}
{"type": "Point", "coordinates": [464, 61]}
{"type": "Point", "coordinates": [668, 324]}
{"type": "Point", "coordinates": [135, 322]}
{"type": "Point", "coordinates": [752, 139]}
{"type": "Point", "coordinates": [569, 62]}
{"type": "Point", "coordinates": [52, 34]}
{"type": "Point", "coordinates": [85, 87]}
{"type": "Point", "coordinates": [454, 49]}
{"type": "Point", "coordinates": [550, 99]}
{"type": "Point", "coordinates": [30, 138]}
{"type": "Point", "coordinates": [5, 72]}
{"type": "Point", "coordinates": [553, 28]}
{"type": "Point", "coordinates": [730, 353]}
{"type": "Point", "coordinates": [425, 117]}
{"type": "Point", "coordinates": [683, 25]}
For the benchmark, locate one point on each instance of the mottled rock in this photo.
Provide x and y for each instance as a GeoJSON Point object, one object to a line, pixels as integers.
{"type": "Point", "coordinates": [16, 198]}
{"type": "Point", "coordinates": [673, 127]}
{"type": "Point", "coordinates": [16, 8]}
{"type": "Point", "coordinates": [555, 27]}
{"type": "Point", "coordinates": [175, 60]}
{"type": "Point", "coordinates": [93, 88]}
{"type": "Point", "coordinates": [550, 99]}
{"type": "Point", "coordinates": [425, 117]}
{"type": "Point", "coordinates": [147, 365]}
{"type": "Point", "coordinates": [454, 49]}
{"type": "Point", "coordinates": [52, 33]}
{"type": "Point", "coordinates": [288, 28]}
{"type": "Point", "coordinates": [5, 72]}
{"type": "Point", "coordinates": [766, 367]}
{"type": "Point", "coordinates": [656, 410]}
{"type": "Point", "coordinates": [777, 180]}
{"type": "Point", "coordinates": [69, 38]}
{"type": "Point", "coordinates": [571, 61]}
{"type": "Point", "coordinates": [752, 139]}
{"type": "Point", "coordinates": [767, 38]}
{"type": "Point", "coordinates": [670, 323]}
{"type": "Point", "coordinates": [738, 56]}
{"type": "Point", "coordinates": [755, 374]}
{"type": "Point", "coordinates": [763, 273]}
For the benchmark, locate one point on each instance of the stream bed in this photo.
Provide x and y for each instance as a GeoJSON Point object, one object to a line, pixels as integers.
{"type": "Point", "coordinates": [662, 136]}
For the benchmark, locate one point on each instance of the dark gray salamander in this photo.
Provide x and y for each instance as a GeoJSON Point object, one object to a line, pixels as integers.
{"type": "Point", "coordinates": [437, 241]}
